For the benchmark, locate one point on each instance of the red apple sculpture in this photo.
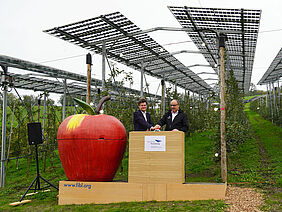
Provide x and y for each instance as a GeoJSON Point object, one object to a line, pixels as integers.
{"type": "Point", "coordinates": [91, 147]}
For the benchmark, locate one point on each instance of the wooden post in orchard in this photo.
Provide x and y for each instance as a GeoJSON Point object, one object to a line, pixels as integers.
{"type": "Point", "coordinates": [222, 39]}
{"type": "Point", "coordinates": [89, 63]}
{"type": "Point", "coordinates": [142, 80]}
{"type": "Point", "coordinates": [163, 97]}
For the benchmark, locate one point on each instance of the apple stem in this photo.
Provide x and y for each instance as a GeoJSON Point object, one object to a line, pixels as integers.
{"type": "Point", "coordinates": [99, 106]}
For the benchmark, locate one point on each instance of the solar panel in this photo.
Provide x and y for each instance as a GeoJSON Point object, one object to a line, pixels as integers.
{"type": "Point", "coordinates": [241, 27]}
{"type": "Point", "coordinates": [274, 71]}
{"type": "Point", "coordinates": [126, 43]}
{"type": "Point", "coordinates": [39, 79]}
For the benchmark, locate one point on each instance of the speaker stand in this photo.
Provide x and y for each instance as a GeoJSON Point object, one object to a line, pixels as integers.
{"type": "Point", "coordinates": [37, 178]}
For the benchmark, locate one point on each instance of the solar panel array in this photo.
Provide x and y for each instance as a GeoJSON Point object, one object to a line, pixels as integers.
{"type": "Point", "coordinates": [38, 79]}
{"type": "Point", "coordinates": [126, 43]}
{"type": "Point", "coordinates": [241, 27]}
{"type": "Point", "coordinates": [274, 71]}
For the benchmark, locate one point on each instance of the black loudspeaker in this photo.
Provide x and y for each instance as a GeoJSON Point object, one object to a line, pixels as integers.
{"type": "Point", "coordinates": [34, 138]}
{"type": "Point", "coordinates": [34, 133]}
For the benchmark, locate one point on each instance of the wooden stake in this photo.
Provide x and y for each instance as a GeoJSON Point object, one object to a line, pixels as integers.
{"type": "Point", "coordinates": [163, 97]}
{"type": "Point", "coordinates": [19, 203]}
{"type": "Point", "coordinates": [88, 83]}
{"type": "Point", "coordinates": [89, 63]}
{"type": "Point", "coordinates": [222, 117]}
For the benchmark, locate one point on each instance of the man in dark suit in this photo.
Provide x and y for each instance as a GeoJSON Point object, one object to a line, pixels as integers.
{"type": "Point", "coordinates": [175, 119]}
{"type": "Point", "coordinates": [142, 119]}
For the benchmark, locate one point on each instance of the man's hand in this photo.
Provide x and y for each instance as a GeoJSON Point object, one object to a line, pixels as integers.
{"type": "Point", "coordinates": [175, 130]}
{"type": "Point", "coordinates": [157, 127]}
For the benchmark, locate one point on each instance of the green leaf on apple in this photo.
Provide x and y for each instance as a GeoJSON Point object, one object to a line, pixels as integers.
{"type": "Point", "coordinates": [85, 106]}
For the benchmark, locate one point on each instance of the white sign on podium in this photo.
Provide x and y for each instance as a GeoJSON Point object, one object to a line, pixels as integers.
{"type": "Point", "coordinates": [155, 143]}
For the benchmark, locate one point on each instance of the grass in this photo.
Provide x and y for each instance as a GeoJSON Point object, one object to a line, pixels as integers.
{"type": "Point", "coordinates": [200, 162]}
{"type": "Point", "coordinates": [256, 163]}
{"type": "Point", "coordinates": [243, 164]}
{"type": "Point", "coordinates": [267, 139]}
{"type": "Point", "coordinates": [250, 97]}
{"type": "Point", "coordinates": [18, 181]}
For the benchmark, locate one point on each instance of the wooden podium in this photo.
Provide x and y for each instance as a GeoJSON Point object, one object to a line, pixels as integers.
{"type": "Point", "coordinates": [160, 164]}
{"type": "Point", "coordinates": [155, 172]}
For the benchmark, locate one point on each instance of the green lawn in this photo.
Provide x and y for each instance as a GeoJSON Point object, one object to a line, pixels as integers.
{"type": "Point", "coordinates": [18, 181]}
{"type": "Point", "coordinates": [201, 165]}
{"type": "Point", "coordinates": [255, 163]}
{"type": "Point", "coordinates": [250, 97]}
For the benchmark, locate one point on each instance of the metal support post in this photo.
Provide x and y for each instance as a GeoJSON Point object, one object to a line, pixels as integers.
{"type": "Point", "coordinates": [193, 104]}
{"type": "Point", "coordinates": [200, 100]}
{"type": "Point", "coordinates": [103, 65]}
{"type": "Point", "coordinates": [4, 122]}
{"type": "Point", "coordinates": [38, 109]}
{"type": "Point", "coordinates": [188, 99]}
{"type": "Point", "coordinates": [279, 102]}
{"type": "Point", "coordinates": [271, 101]}
{"type": "Point", "coordinates": [266, 99]}
{"type": "Point", "coordinates": [44, 112]}
{"type": "Point", "coordinates": [208, 102]}
{"type": "Point", "coordinates": [64, 100]}
{"type": "Point", "coordinates": [274, 98]}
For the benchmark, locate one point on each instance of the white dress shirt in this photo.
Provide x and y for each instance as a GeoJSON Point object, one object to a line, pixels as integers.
{"type": "Point", "coordinates": [144, 114]}
{"type": "Point", "coordinates": [173, 115]}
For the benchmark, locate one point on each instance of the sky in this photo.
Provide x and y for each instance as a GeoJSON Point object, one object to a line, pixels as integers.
{"type": "Point", "coordinates": [22, 23]}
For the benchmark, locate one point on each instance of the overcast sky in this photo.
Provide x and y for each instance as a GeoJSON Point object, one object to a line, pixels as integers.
{"type": "Point", "coordinates": [22, 23]}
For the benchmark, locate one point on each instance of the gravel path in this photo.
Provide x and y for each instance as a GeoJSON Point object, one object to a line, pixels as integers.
{"type": "Point", "coordinates": [243, 199]}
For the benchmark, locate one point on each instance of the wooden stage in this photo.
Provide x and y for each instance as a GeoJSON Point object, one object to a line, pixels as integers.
{"type": "Point", "coordinates": [156, 172]}
{"type": "Point", "coordinates": [71, 192]}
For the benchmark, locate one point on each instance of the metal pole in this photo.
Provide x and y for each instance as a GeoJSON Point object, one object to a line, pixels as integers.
{"type": "Point", "coordinates": [200, 100]}
{"type": "Point", "coordinates": [266, 99]}
{"type": "Point", "coordinates": [103, 65]}
{"type": "Point", "coordinates": [193, 103]}
{"type": "Point", "coordinates": [222, 109]}
{"type": "Point", "coordinates": [188, 100]}
{"type": "Point", "coordinates": [208, 102]}
{"type": "Point", "coordinates": [142, 80]}
{"type": "Point", "coordinates": [279, 103]}
{"type": "Point", "coordinates": [37, 168]}
{"type": "Point", "coordinates": [274, 99]}
{"type": "Point", "coordinates": [38, 111]}
{"type": "Point", "coordinates": [274, 96]}
{"type": "Point", "coordinates": [4, 116]}
{"type": "Point", "coordinates": [44, 113]}
{"type": "Point", "coordinates": [89, 62]}
{"type": "Point", "coordinates": [163, 97]}
{"type": "Point", "coordinates": [64, 100]}
{"type": "Point", "coordinates": [260, 103]}
{"type": "Point", "coordinates": [271, 100]}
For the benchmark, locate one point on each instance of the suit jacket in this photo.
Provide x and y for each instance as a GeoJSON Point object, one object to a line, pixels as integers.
{"type": "Point", "coordinates": [140, 124]}
{"type": "Point", "coordinates": [179, 122]}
